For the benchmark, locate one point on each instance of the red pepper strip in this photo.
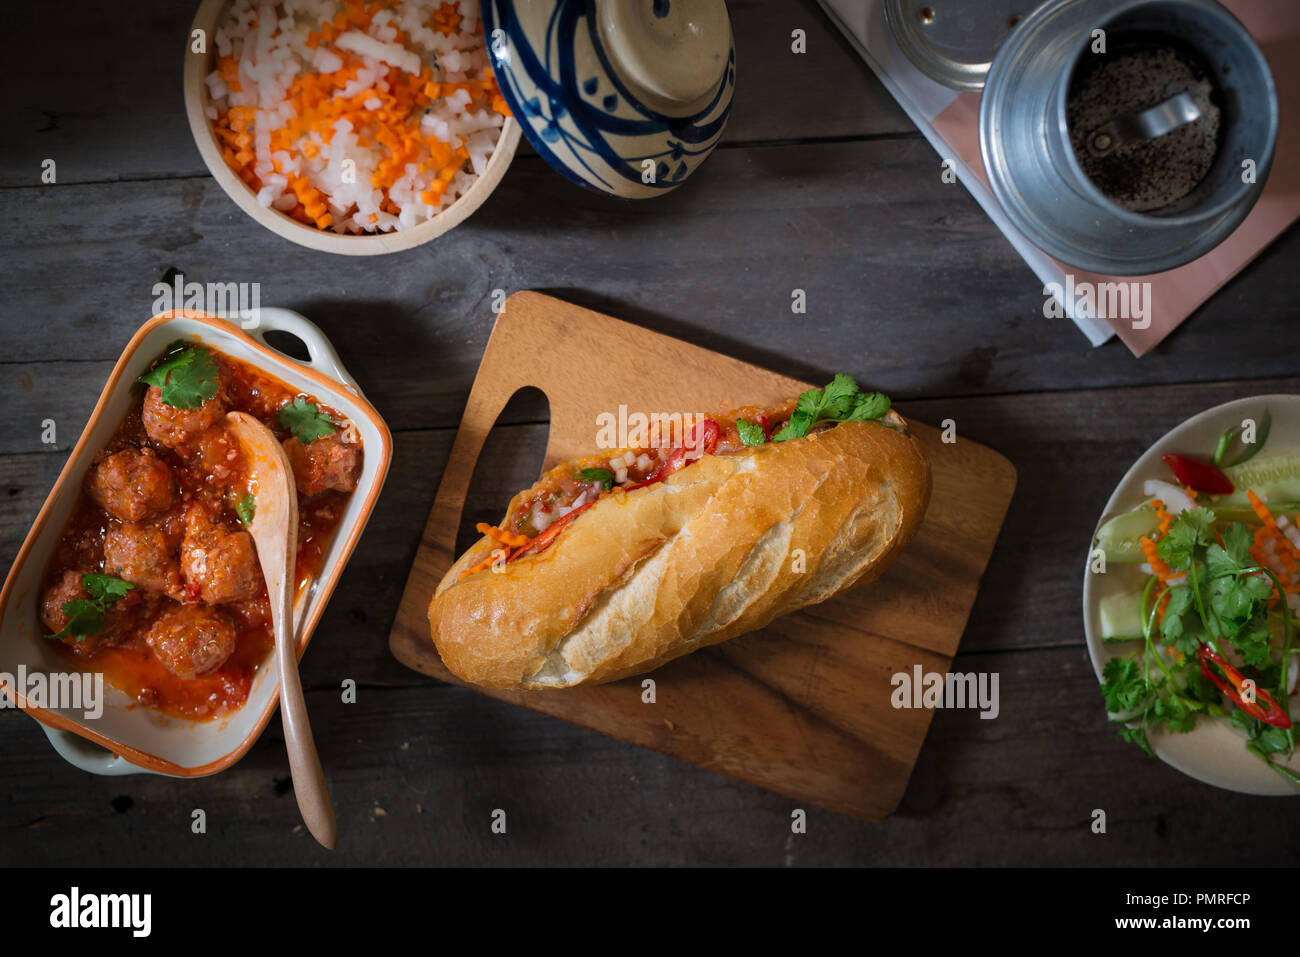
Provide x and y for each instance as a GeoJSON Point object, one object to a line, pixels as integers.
{"type": "Point", "coordinates": [545, 538]}
{"type": "Point", "coordinates": [1199, 475]}
{"type": "Point", "coordinates": [1274, 715]}
{"type": "Point", "coordinates": [706, 444]}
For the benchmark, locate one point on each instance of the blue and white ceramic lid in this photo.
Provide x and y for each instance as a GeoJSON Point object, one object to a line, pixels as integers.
{"type": "Point", "coordinates": [626, 97]}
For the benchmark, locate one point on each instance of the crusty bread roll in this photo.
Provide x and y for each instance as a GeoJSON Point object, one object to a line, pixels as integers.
{"type": "Point", "coordinates": [718, 549]}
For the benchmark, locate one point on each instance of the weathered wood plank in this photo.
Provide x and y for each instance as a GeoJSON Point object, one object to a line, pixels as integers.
{"type": "Point", "coordinates": [437, 760]}
{"type": "Point", "coordinates": [111, 108]}
{"type": "Point", "coordinates": [908, 284]}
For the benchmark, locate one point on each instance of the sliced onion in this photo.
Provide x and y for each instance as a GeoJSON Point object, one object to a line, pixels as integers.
{"type": "Point", "coordinates": [1174, 498]}
{"type": "Point", "coordinates": [576, 503]}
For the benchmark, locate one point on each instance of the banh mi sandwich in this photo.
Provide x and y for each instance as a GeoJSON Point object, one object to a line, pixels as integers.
{"type": "Point", "coordinates": [616, 563]}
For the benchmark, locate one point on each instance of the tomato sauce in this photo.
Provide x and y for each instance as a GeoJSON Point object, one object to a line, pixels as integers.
{"type": "Point", "coordinates": [210, 469]}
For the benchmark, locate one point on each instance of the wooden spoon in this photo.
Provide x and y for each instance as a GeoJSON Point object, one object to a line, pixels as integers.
{"type": "Point", "coordinates": [275, 532]}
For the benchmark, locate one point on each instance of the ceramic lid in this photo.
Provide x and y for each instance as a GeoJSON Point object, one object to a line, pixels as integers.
{"type": "Point", "coordinates": [625, 97]}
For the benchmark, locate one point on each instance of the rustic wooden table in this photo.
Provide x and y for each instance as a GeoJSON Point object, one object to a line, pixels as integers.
{"type": "Point", "coordinates": [821, 184]}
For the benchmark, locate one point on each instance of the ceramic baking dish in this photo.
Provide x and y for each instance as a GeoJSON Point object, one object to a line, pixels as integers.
{"type": "Point", "coordinates": [137, 737]}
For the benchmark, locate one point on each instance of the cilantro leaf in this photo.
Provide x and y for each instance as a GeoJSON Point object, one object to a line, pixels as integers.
{"type": "Point", "coordinates": [104, 588]}
{"type": "Point", "coordinates": [305, 420]}
{"type": "Point", "coordinates": [750, 433]}
{"type": "Point", "coordinates": [1253, 644]}
{"type": "Point", "coordinates": [1174, 624]}
{"type": "Point", "coordinates": [871, 406]}
{"type": "Point", "coordinates": [86, 615]}
{"type": "Point", "coordinates": [604, 476]}
{"type": "Point", "coordinates": [1137, 736]}
{"type": "Point", "coordinates": [796, 428]}
{"type": "Point", "coordinates": [1178, 713]}
{"type": "Point", "coordinates": [1125, 687]}
{"type": "Point", "coordinates": [186, 378]}
{"type": "Point", "coordinates": [85, 618]}
{"type": "Point", "coordinates": [1269, 739]}
{"type": "Point", "coordinates": [1237, 541]}
{"type": "Point", "coordinates": [1191, 528]}
{"type": "Point", "coordinates": [246, 508]}
{"type": "Point", "coordinates": [838, 398]}
{"type": "Point", "coordinates": [809, 402]}
{"type": "Point", "coordinates": [1238, 601]}
{"type": "Point", "coordinates": [840, 401]}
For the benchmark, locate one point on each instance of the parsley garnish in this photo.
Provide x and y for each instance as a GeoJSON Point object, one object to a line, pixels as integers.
{"type": "Point", "coordinates": [305, 420]}
{"type": "Point", "coordinates": [751, 433]}
{"type": "Point", "coordinates": [86, 615]}
{"type": "Point", "coordinates": [840, 401]}
{"type": "Point", "coordinates": [186, 378]}
{"type": "Point", "coordinates": [1219, 596]}
{"type": "Point", "coordinates": [246, 508]}
{"type": "Point", "coordinates": [604, 476]}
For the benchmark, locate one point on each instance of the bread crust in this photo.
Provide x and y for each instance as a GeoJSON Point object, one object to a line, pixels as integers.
{"type": "Point", "coordinates": [646, 576]}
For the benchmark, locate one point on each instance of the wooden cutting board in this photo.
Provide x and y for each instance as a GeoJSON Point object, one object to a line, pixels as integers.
{"type": "Point", "coordinates": [801, 707]}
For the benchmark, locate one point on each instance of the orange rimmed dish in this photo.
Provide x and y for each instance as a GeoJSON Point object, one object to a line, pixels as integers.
{"type": "Point", "coordinates": [139, 737]}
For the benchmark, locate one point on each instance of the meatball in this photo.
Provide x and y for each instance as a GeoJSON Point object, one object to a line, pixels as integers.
{"type": "Point", "coordinates": [133, 485]}
{"type": "Point", "coordinates": [191, 640]}
{"type": "Point", "coordinates": [327, 463]}
{"type": "Point", "coordinates": [172, 426]}
{"type": "Point", "coordinates": [222, 565]}
{"type": "Point", "coordinates": [142, 555]}
{"type": "Point", "coordinates": [117, 619]}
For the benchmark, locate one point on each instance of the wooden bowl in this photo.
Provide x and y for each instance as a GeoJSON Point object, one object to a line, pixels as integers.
{"type": "Point", "coordinates": [199, 65]}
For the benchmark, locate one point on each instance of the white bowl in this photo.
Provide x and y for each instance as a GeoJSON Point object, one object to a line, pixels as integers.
{"type": "Point", "coordinates": [144, 738]}
{"type": "Point", "coordinates": [197, 68]}
{"type": "Point", "coordinates": [1214, 752]}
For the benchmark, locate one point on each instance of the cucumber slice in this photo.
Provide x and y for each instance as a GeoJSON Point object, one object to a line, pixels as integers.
{"type": "Point", "coordinates": [1121, 617]}
{"type": "Point", "coordinates": [1275, 479]}
{"type": "Point", "coordinates": [1246, 514]}
{"type": "Point", "coordinates": [1118, 538]}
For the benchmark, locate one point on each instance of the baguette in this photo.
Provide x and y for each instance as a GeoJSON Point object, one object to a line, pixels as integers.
{"type": "Point", "coordinates": [713, 551]}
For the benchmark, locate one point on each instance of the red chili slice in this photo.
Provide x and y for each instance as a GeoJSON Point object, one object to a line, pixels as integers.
{"type": "Point", "coordinates": [707, 443]}
{"type": "Point", "coordinates": [546, 537]}
{"type": "Point", "coordinates": [1199, 475]}
{"type": "Point", "coordinates": [1263, 707]}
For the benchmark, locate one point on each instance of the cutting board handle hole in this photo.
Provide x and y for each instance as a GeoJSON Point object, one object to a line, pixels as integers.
{"type": "Point", "coordinates": [516, 445]}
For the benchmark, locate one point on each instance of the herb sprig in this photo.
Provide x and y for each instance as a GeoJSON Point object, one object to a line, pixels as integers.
{"type": "Point", "coordinates": [1217, 595]}
{"type": "Point", "coordinates": [604, 476]}
{"type": "Point", "coordinates": [187, 376]}
{"type": "Point", "coordinates": [839, 401]}
{"type": "Point", "coordinates": [86, 616]}
{"type": "Point", "coordinates": [246, 508]}
{"type": "Point", "coordinates": [305, 420]}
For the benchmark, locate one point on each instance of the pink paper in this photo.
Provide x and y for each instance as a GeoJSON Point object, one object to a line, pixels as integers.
{"type": "Point", "coordinates": [1176, 293]}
